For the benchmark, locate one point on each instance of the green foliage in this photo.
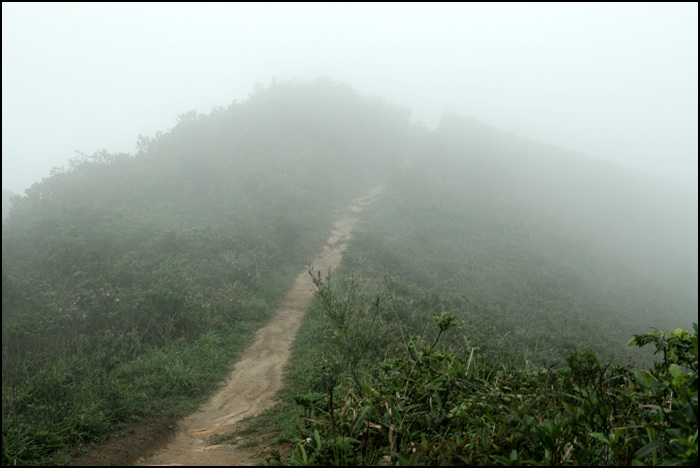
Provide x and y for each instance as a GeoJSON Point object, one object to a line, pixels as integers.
{"type": "Point", "coordinates": [429, 404]}
{"type": "Point", "coordinates": [670, 396]}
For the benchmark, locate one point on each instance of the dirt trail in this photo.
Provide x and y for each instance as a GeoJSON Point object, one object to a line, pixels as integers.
{"type": "Point", "coordinates": [256, 378]}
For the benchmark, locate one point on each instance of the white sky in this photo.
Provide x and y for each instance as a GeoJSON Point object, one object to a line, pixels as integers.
{"type": "Point", "coordinates": [615, 81]}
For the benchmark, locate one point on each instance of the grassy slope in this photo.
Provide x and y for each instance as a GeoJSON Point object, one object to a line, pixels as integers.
{"type": "Point", "coordinates": [536, 252]}
{"type": "Point", "coordinates": [200, 233]}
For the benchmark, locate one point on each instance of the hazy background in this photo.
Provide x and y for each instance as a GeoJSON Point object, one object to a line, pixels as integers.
{"type": "Point", "coordinates": [616, 81]}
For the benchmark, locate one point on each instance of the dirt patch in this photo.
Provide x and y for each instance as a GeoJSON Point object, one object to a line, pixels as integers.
{"type": "Point", "coordinates": [126, 446]}
{"type": "Point", "coordinates": [253, 442]}
{"type": "Point", "coordinates": [215, 433]}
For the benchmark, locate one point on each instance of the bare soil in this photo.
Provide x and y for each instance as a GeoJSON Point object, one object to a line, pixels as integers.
{"type": "Point", "coordinates": [216, 433]}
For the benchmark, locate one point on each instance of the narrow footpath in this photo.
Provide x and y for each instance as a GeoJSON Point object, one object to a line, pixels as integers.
{"type": "Point", "coordinates": [257, 377]}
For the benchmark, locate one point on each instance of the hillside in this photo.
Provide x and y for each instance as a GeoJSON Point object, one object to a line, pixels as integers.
{"type": "Point", "coordinates": [6, 203]}
{"type": "Point", "coordinates": [131, 282]}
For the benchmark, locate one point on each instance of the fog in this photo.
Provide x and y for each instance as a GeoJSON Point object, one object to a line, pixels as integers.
{"type": "Point", "coordinates": [520, 177]}
{"type": "Point", "coordinates": [617, 82]}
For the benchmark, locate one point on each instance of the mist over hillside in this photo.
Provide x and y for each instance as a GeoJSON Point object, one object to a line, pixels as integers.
{"type": "Point", "coordinates": [310, 145]}
{"type": "Point", "coordinates": [6, 203]}
{"type": "Point", "coordinates": [629, 214]}
{"type": "Point", "coordinates": [119, 259]}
